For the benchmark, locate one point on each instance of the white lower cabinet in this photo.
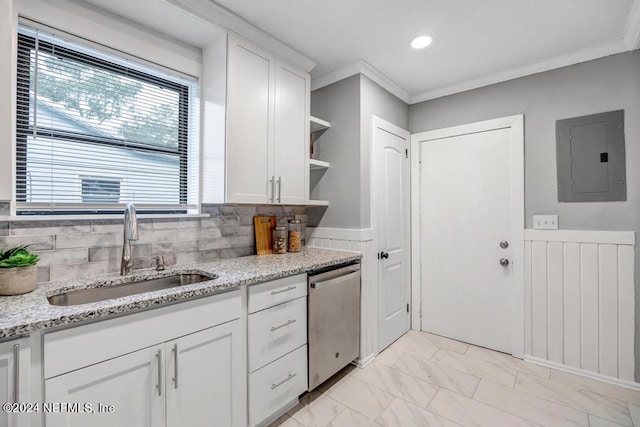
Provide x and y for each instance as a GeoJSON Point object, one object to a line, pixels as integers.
{"type": "Point", "coordinates": [277, 344]}
{"type": "Point", "coordinates": [191, 381]}
{"type": "Point", "coordinates": [277, 385]}
{"type": "Point", "coordinates": [174, 366]}
{"type": "Point", "coordinates": [127, 382]}
{"type": "Point", "coordinates": [203, 374]}
{"type": "Point", "coordinates": [277, 331]}
{"type": "Point", "coordinates": [185, 382]}
{"type": "Point", "coordinates": [15, 365]}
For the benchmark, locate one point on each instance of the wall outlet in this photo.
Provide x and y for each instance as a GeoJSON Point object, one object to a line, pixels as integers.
{"type": "Point", "coordinates": [545, 222]}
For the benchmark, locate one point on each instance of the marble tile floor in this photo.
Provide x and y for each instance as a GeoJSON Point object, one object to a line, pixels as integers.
{"type": "Point", "coordinates": [427, 380]}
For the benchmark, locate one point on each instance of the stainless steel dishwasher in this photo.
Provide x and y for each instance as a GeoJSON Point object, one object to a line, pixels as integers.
{"type": "Point", "coordinates": [333, 320]}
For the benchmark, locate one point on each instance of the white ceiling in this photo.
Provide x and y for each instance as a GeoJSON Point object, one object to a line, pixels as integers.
{"type": "Point", "coordinates": [475, 42]}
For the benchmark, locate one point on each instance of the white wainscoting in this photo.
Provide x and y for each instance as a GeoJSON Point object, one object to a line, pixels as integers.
{"type": "Point", "coordinates": [357, 241]}
{"type": "Point", "coordinates": [579, 300]}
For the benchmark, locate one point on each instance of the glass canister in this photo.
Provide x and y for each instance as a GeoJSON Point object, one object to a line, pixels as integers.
{"type": "Point", "coordinates": [280, 239]}
{"type": "Point", "coordinates": [294, 235]}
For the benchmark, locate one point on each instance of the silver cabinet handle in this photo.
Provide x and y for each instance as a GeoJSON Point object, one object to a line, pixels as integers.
{"type": "Point", "coordinates": [279, 188]}
{"type": "Point", "coordinates": [175, 366]}
{"type": "Point", "coordinates": [287, 323]}
{"type": "Point", "coordinates": [16, 373]}
{"type": "Point", "coordinates": [273, 188]}
{"type": "Point", "coordinates": [279, 383]}
{"type": "Point", "coordinates": [290, 288]}
{"type": "Point", "coordinates": [339, 279]}
{"type": "Point", "coordinates": [159, 384]}
{"type": "Point", "coordinates": [504, 262]}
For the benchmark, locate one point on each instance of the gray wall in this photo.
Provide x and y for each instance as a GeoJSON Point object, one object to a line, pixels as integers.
{"type": "Point", "coordinates": [375, 100]}
{"type": "Point", "coordinates": [348, 105]}
{"type": "Point", "coordinates": [338, 104]}
{"type": "Point", "coordinates": [605, 84]}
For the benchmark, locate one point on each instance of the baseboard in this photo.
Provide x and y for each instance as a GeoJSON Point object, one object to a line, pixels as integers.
{"type": "Point", "coordinates": [363, 362]}
{"type": "Point", "coordinates": [583, 373]}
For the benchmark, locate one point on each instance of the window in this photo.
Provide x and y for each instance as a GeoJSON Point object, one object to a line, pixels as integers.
{"type": "Point", "coordinates": [100, 190]}
{"type": "Point", "coordinates": [95, 132]}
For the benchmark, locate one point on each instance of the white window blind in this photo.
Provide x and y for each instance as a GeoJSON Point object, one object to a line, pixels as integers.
{"type": "Point", "coordinates": [95, 131]}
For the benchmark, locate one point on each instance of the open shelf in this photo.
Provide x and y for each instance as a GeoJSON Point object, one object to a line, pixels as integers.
{"type": "Point", "coordinates": [318, 125]}
{"type": "Point", "coordinates": [318, 164]}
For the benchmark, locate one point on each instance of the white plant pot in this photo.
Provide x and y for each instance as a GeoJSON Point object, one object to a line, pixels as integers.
{"type": "Point", "coordinates": [18, 280]}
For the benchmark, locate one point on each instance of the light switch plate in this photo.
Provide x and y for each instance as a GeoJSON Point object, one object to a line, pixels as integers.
{"type": "Point", "coordinates": [545, 222]}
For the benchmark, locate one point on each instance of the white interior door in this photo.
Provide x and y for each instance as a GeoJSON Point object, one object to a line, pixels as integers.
{"type": "Point", "coordinates": [467, 236]}
{"type": "Point", "coordinates": [391, 172]}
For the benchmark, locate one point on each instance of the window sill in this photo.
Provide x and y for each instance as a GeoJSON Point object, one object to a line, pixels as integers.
{"type": "Point", "coordinates": [96, 217]}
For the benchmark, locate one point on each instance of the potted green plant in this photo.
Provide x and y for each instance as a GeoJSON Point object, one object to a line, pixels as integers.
{"type": "Point", "coordinates": [18, 271]}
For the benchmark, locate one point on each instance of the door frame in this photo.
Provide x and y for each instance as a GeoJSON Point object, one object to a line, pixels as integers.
{"type": "Point", "coordinates": [377, 122]}
{"type": "Point", "coordinates": [516, 126]}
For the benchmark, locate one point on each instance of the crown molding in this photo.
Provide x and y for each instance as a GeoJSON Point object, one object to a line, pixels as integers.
{"type": "Point", "coordinates": [366, 69]}
{"type": "Point", "coordinates": [584, 55]}
{"type": "Point", "coordinates": [632, 29]}
{"type": "Point", "coordinates": [384, 81]}
{"type": "Point", "coordinates": [336, 75]}
{"type": "Point", "coordinates": [218, 15]}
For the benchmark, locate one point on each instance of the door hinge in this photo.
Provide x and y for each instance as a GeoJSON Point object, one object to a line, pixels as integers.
{"type": "Point", "coordinates": [406, 153]}
{"type": "Point", "coordinates": [407, 307]}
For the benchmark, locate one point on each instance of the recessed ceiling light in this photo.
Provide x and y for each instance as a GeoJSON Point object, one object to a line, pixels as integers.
{"type": "Point", "coordinates": [421, 42]}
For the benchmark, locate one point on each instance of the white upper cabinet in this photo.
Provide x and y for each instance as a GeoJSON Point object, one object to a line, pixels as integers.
{"type": "Point", "coordinates": [291, 134]}
{"type": "Point", "coordinates": [250, 104]}
{"type": "Point", "coordinates": [267, 145]}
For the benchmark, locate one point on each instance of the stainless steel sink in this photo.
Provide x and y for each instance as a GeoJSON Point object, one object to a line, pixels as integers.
{"type": "Point", "coordinates": [85, 296]}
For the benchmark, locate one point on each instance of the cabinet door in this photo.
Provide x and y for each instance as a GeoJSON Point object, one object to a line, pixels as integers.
{"type": "Point", "coordinates": [291, 134]}
{"type": "Point", "coordinates": [14, 379]}
{"type": "Point", "coordinates": [250, 103]}
{"type": "Point", "coordinates": [206, 378]}
{"type": "Point", "coordinates": [133, 384]}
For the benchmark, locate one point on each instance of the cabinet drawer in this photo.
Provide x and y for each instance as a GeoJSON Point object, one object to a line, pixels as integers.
{"type": "Point", "coordinates": [276, 331]}
{"type": "Point", "coordinates": [276, 292]}
{"type": "Point", "coordinates": [277, 384]}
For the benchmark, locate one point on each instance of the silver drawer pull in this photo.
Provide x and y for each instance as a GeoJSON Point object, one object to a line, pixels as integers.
{"type": "Point", "coordinates": [287, 323]}
{"type": "Point", "coordinates": [159, 383]}
{"type": "Point", "coordinates": [279, 383]}
{"type": "Point", "coordinates": [290, 288]}
{"type": "Point", "coordinates": [16, 373]}
{"type": "Point", "coordinates": [175, 365]}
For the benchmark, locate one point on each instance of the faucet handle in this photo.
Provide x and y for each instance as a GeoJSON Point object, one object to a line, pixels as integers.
{"type": "Point", "coordinates": [159, 262]}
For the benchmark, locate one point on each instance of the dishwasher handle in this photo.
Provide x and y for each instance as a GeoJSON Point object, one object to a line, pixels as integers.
{"type": "Point", "coordinates": [335, 281]}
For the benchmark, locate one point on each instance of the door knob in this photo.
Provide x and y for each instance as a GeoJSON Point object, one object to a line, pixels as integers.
{"type": "Point", "coordinates": [384, 255]}
{"type": "Point", "coordinates": [504, 244]}
{"type": "Point", "coordinates": [504, 262]}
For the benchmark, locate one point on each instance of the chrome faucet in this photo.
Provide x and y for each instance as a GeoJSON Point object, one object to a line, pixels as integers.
{"type": "Point", "coordinates": [130, 233]}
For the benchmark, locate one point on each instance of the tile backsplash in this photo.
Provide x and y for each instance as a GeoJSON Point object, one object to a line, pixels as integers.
{"type": "Point", "coordinates": [71, 249]}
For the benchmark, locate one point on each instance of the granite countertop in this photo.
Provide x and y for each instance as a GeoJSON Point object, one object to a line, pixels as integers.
{"type": "Point", "coordinates": [22, 314]}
